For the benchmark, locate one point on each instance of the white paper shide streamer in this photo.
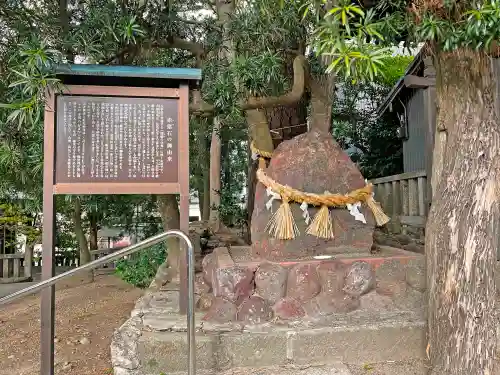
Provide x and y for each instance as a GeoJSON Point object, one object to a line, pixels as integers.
{"type": "Point", "coordinates": [305, 212]}
{"type": "Point", "coordinates": [354, 211]}
{"type": "Point", "coordinates": [274, 196]}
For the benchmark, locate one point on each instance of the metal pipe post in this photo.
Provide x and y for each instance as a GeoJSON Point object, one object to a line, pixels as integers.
{"type": "Point", "coordinates": [191, 327]}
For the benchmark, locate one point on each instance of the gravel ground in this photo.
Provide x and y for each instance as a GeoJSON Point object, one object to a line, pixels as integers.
{"type": "Point", "coordinates": [86, 316]}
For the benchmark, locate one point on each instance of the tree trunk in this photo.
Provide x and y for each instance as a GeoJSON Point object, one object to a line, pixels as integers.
{"type": "Point", "coordinates": [169, 270]}
{"type": "Point", "coordinates": [322, 92]}
{"type": "Point", "coordinates": [93, 231]}
{"type": "Point", "coordinates": [285, 121]}
{"type": "Point", "coordinates": [205, 212]}
{"type": "Point", "coordinates": [215, 172]}
{"type": "Point", "coordinates": [65, 28]}
{"type": "Point", "coordinates": [251, 186]}
{"type": "Point", "coordinates": [85, 256]}
{"type": "Point", "coordinates": [202, 172]}
{"type": "Point", "coordinates": [226, 164]}
{"type": "Point", "coordinates": [225, 9]}
{"type": "Point", "coordinates": [462, 229]}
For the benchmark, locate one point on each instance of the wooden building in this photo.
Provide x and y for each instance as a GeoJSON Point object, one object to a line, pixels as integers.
{"type": "Point", "coordinates": [413, 102]}
{"type": "Point", "coordinates": [407, 197]}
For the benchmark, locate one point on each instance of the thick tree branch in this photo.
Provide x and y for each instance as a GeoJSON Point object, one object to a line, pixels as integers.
{"type": "Point", "coordinates": [174, 42]}
{"type": "Point", "coordinates": [291, 97]}
{"type": "Point", "coordinates": [118, 55]}
{"type": "Point", "coordinates": [199, 106]}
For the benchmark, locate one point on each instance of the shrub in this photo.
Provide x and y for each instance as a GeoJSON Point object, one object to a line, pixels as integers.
{"type": "Point", "coordinates": [140, 269]}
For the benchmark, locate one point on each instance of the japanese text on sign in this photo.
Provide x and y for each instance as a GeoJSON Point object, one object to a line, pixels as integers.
{"type": "Point", "coordinates": [111, 139]}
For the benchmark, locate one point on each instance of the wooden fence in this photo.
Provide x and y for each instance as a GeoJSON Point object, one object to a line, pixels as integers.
{"type": "Point", "coordinates": [61, 259]}
{"type": "Point", "coordinates": [404, 198]}
{"type": "Point", "coordinates": [14, 268]}
{"type": "Point", "coordinates": [107, 268]}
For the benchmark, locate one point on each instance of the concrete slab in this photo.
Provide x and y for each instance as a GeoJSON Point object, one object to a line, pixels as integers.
{"type": "Point", "coordinates": [6, 289]}
{"type": "Point", "coordinates": [415, 367]}
{"type": "Point", "coordinates": [333, 369]}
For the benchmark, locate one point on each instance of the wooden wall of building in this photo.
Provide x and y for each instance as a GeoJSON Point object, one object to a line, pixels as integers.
{"type": "Point", "coordinates": [414, 155]}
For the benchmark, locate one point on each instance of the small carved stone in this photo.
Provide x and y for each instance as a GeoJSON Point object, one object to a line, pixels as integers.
{"type": "Point", "coordinates": [233, 283]}
{"type": "Point", "coordinates": [332, 276]}
{"type": "Point", "coordinates": [205, 301]}
{"type": "Point", "coordinates": [326, 304]}
{"type": "Point", "coordinates": [208, 266]}
{"type": "Point", "coordinates": [415, 274]}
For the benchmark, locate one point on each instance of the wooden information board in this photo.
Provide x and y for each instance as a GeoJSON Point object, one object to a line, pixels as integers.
{"type": "Point", "coordinates": [113, 130]}
{"type": "Point", "coordinates": [104, 143]}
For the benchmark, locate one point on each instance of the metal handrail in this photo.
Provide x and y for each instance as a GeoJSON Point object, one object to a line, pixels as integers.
{"type": "Point", "coordinates": [120, 254]}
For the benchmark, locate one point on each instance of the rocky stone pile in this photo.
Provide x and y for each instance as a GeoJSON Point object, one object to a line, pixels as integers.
{"type": "Point", "coordinates": [253, 294]}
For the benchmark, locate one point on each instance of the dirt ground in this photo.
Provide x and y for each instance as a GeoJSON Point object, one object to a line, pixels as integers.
{"type": "Point", "coordinates": [86, 316]}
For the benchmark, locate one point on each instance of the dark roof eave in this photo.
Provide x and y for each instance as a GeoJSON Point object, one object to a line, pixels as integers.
{"type": "Point", "coordinates": [399, 84]}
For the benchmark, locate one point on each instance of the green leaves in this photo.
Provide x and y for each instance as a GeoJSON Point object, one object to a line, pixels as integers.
{"type": "Point", "coordinates": [131, 30]}
{"type": "Point", "coordinates": [347, 37]}
{"type": "Point", "coordinates": [475, 26]}
{"type": "Point", "coordinates": [371, 141]}
{"type": "Point", "coordinates": [30, 73]}
{"type": "Point", "coordinates": [140, 269]}
{"type": "Point", "coordinates": [259, 75]}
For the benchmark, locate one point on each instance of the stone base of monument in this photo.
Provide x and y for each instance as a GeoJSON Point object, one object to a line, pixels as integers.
{"type": "Point", "coordinates": [248, 290]}
{"type": "Point", "coordinates": [154, 340]}
{"type": "Point", "coordinates": [381, 322]}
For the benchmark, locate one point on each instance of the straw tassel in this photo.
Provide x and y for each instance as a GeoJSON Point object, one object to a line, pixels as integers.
{"type": "Point", "coordinates": [322, 225]}
{"type": "Point", "coordinates": [262, 163]}
{"type": "Point", "coordinates": [380, 217]}
{"type": "Point", "coordinates": [282, 224]}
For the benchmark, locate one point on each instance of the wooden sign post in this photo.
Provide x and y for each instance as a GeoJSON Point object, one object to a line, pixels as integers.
{"type": "Point", "coordinates": [113, 130]}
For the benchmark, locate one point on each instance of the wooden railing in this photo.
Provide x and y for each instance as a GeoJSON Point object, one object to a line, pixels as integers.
{"type": "Point", "coordinates": [14, 268]}
{"type": "Point", "coordinates": [404, 198]}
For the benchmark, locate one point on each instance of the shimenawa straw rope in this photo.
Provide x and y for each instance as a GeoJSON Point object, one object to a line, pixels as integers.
{"type": "Point", "coordinates": [282, 224]}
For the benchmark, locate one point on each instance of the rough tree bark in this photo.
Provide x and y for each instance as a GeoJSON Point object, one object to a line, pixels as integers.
{"type": "Point", "coordinates": [205, 210]}
{"type": "Point", "coordinates": [215, 169]}
{"type": "Point", "coordinates": [169, 270]}
{"type": "Point", "coordinates": [461, 236]}
{"type": "Point", "coordinates": [322, 89]}
{"type": "Point", "coordinates": [83, 245]}
{"type": "Point", "coordinates": [203, 187]}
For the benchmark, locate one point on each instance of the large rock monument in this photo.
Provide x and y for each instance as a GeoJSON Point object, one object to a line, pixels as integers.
{"type": "Point", "coordinates": [303, 275]}
{"type": "Point", "coordinates": [312, 162]}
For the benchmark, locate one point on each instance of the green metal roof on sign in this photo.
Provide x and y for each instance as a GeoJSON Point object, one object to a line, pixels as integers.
{"type": "Point", "coordinates": [129, 71]}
